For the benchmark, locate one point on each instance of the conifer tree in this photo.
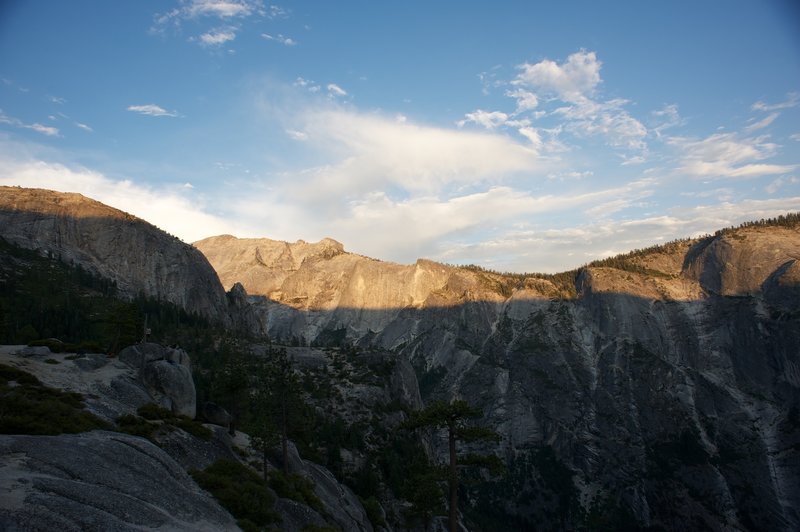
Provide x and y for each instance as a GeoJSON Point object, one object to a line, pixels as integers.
{"type": "Point", "coordinates": [454, 417]}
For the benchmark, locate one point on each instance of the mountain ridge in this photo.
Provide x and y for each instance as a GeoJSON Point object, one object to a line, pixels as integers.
{"type": "Point", "coordinates": [659, 388]}
{"type": "Point", "coordinates": [661, 379]}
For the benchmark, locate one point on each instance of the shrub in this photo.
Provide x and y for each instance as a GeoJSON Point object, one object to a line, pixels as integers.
{"type": "Point", "coordinates": [296, 487]}
{"type": "Point", "coordinates": [136, 426]}
{"type": "Point", "coordinates": [374, 513]}
{"type": "Point", "coordinates": [29, 407]}
{"type": "Point", "coordinates": [241, 491]}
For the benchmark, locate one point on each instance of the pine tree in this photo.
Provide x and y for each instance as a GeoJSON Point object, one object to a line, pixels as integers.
{"type": "Point", "coordinates": [453, 417]}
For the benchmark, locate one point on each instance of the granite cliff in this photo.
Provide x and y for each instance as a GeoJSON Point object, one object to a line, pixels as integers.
{"type": "Point", "coordinates": [657, 389]}
{"type": "Point", "coordinates": [138, 256]}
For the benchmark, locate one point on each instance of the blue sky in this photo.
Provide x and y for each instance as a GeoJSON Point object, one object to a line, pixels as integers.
{"type": "Point", "coordinates": [521, 136]}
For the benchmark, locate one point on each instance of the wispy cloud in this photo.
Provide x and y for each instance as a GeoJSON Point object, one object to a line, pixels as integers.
{"type": "Point", "coordinates": [761, 124]}
{"type": "Point", "coordinates": [665, 118]}
{"type": "Point", "coordinates": [541, 247]}
{"type": "Point", "coordinates": [226, 19]}
{"type": "Point", "coordinates": [49, 131]}
{"type": "Point", "coordinates": [218, 36]}
{"type": "Point", "coordinates": [376, 150]}
{"type": "Point", "coordinates": [83, 127]}
{"type": "Point", "coordinates": [336, 90]}
{"type": "Point", "coordinates": [309, 85]}
{"type": "Point", "coordinates": [279, 38]}
{"type": "Point", "coordinates": [792, 99]}
{"type": "Point", "coordinates": [487, 119]}
{"type": "Point", "coordinates": [151, 110]}
{"type": "Point", "coordinates": [727, 155]}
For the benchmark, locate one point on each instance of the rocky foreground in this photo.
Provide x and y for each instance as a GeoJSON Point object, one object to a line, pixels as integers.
{"type": "Point", "coordinates": [109, 480]}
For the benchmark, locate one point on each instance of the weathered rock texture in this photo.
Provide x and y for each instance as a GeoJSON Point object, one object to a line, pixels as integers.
{"type": "Point", "coordinates": [99, 481]}
{"type": "Point", "coordinates": [167, 373]}
{"type": "Point", "coordinates": [664, 393]}
{"type": "Point", "coordinates": [137, 255]}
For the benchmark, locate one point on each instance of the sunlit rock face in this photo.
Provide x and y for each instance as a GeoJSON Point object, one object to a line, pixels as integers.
{"type": "Point", "coordinates": [664, 392]}
{"type": "Point", "coordinates": [137, 255]}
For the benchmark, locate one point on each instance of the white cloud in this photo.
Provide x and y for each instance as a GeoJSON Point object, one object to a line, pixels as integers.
{"type": "Point", "coordinates": [574, 82]}
{"type": "Point", "coordinates": [761, 124]}
{"type": "Point", "coordinates": [374, 151]}
{"type": "Point", "coordinates": [83, 127]}
{"type": "Point", "coordinates": [218, 36]}
{"type": "Point", "coordinates": [286, 41]}
{"type": "Point", "coordinates": [169, 208]}
{"type": "Point", "coordinates": [336, 90]}
{"type": "Point", "coordinates": [57, 100]}
{"type": "Point", "coordinates": [44, 130]}
{"type": "Point", "coordinates": [297, 135]}
{"type": "Point", "coordinates": [792, 99]}
{"type": "Point", "coordinates": [151, 110]}
{"type": "Point", "coordinates": [570, 81]}
{"type": "Point", "coordinates": [665, 118]}
{"type": "Point", "coordinates": [223, 8]}
{"type": "Point", "coordinates": [550, 250]}
{"type": "Point", "coordinates": [487, 119]}
{"type": "Point", "coordinates": [49, 131]}
{"type": "Point", "coordinates": [795, 136]}
{"type": "Point", "coordinates": [607, 119]}
{"type": "Point", "coordinates": [231, 13]}
{"type": "Point", "coordinates": [779, 183]}
{"type": "Point", "coordinates": [532, 135]}
{"type": "Point", "coordinates": [727, 155]}
{"type": "Point", "coordinates": [526, 100]}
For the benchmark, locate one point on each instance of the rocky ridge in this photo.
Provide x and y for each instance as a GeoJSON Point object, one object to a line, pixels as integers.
{"type": "Point", "coordinates": [664, 388]}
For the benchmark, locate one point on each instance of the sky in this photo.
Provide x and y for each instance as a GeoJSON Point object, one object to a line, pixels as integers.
{"type": "Point", "coordinates": [518, 136]}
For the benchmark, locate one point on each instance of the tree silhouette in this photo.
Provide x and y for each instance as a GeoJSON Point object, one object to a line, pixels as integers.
{"type": "Point", "coordinates": [453, 417]}
{"type": "Point", "coordinates": [279, 408]}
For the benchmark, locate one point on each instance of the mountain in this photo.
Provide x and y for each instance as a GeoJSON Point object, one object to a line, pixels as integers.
{"type": "Point", "coordinates": [655, 389]}
{"type": "Point", "coordinates": [137, 256]}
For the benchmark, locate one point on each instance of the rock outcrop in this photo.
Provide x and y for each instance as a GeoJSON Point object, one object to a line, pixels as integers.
{"type": "Point", "coordinates": [663, 391]}
{"type": "Point", "coordinates": [139, 257]}
{"type": "Point", "coordinates": [99, 481]}
{"type": "Point", "coordinates": [167, 373]}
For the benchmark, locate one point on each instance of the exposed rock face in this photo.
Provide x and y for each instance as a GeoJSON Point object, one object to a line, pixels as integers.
{"type": "Point", "coordinates": [167, 373]}
{"type": "Point", "coordinates": [99, 481]}
{"type": "Point", "coordinates": [113, 244]}
{"type": "Point", "coordinates": [662, 395]}
{"type": "Point", "coordinates": [340, 503]}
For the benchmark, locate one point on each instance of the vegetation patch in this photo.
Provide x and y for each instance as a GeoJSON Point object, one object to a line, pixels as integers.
{"type": "Point", "coordinates": [374, 513]}
{"type": "Point", "coordinates": [29, 407]}
{"type": "Point", "coordinates": [297, 488]}
{"type": "Point", "coordinates": [147, 422]}
{"type": "Point", "coordinates": [136, 426]}
{"type": "Point", "coordinates": [240, 491]}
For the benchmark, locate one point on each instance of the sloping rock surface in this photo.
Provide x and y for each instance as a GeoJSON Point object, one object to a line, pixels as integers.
{"type": "Point", "coordinates": [99, 481]}
{"type": "Point", "coordinates": [116, 245]}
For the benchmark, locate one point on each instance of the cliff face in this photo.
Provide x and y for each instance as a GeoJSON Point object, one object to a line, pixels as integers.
{"type": "Point", "coordinates": [114, 244]}
{"type": "Point", "coordinates": [664, 394]}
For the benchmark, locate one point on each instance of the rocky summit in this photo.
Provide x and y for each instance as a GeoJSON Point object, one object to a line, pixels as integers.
{"type": "Point", "coordinates": [657, 389]}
